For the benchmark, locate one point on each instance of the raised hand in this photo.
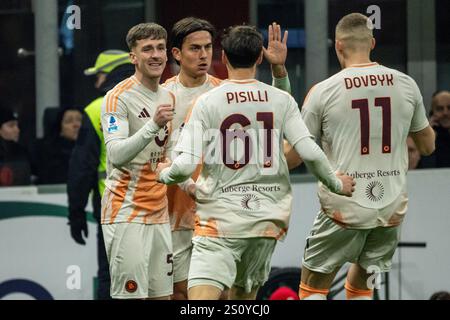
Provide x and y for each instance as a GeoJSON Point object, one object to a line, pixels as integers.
{"type": "Point", "coordinates": [276, 51]}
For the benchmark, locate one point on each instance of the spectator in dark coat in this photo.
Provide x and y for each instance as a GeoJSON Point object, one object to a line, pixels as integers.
{"type": "Point", "coordinates": [52, 153]}
{"type": "Point", "coordinates": [440, 121]}
{"type": "Point", "coordinates": [15, 166]}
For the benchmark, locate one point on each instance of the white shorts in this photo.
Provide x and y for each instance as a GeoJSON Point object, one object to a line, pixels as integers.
{"type": "Point", "coordinates": [329, 246]}
{"type": "Point", "coordinates": [224, 262]}
{"type": "Point", "coordinates": [182, 250]}
{"type": "Point", "coordinates": [140, 260]}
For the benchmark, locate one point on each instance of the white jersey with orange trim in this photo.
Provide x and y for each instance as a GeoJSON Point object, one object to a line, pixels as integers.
{"type": "Point", "coordinates": [362, 115]}
{"type": "Point", "coordinates": [181, 206]}
{"type": "Point", "coordinates": [132, 193]}
{"type": "Point", "coordinates": [244, 189]}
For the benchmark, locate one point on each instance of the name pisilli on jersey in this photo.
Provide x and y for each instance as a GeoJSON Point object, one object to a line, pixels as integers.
{"type": "Point", "coordinates": [362, 116]}
{"type": "Point", "coordinates": [132, 193]}
{"type": "Point", "coordinates": [243, 190]}
{"type": "Point", "coordinates": [181, 206]}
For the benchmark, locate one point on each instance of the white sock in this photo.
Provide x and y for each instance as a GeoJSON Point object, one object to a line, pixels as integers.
{"type": "Point", "coordinates": [361, 298]}
{"type": "Point", "coordinates": [316, 296]}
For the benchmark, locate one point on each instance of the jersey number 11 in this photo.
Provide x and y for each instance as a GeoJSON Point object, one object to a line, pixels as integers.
{"type": "Point", "coordinates": [363, 106]}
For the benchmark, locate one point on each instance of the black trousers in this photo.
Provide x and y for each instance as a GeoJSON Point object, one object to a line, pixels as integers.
{"type": "Point", "coordinates": [104, 279]}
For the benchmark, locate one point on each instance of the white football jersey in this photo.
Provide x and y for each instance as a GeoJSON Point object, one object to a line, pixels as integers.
{"type": "Point", "coordinates": [181, 206]}
{"type": "Point", "coordinates": [362, 116]}
{"type": "Point", "coordinates": [132, 193]}
{"type": "Point", "coordinates": [244, 189]}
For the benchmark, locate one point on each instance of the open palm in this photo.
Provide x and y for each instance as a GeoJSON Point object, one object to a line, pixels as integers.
{"type": "Point", "coordinates": [276, 51]}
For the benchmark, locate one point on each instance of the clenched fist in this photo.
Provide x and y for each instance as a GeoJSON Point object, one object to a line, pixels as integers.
{"type": "Point", "coordinates": [163, 114]}
{"type": "Point", "coordinates": [162, 165]}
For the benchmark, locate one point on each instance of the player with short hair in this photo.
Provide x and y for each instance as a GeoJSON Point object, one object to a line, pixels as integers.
{"type": "Point", "coordinates": [192, 41]}
{"type": "Point", "coordinates": [362, 115]}
{"type": "Point", "coordinates": [135, 221]}
{"type": "Point", "coordinates": [243, 194]}
{"type": "Point", "coordinates": [192, 48]}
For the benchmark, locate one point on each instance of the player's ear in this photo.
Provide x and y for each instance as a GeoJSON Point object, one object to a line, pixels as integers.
{"type": "Point", "coordinates": [176, 53]}
{"type": "Point", "coordinates": [133, 58]}
{"type": "Point", "coordinates": [224, 58]}
{"type": "Point", "coordinates": [260, 58]}
{"type": "Point", "coordinates": [338, 45]}
{"type": "Point", "coordinates": [373, 44]}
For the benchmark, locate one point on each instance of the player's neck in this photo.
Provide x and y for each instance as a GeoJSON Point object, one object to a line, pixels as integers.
{"type": "Point", "coordinates": [241, 73]}
{"type": "Point", "coordinates": [356, 60]}
{"type": "Point", "coordinates": [191, 82]}
{"type": "Point", "coordinates": [149, 83]}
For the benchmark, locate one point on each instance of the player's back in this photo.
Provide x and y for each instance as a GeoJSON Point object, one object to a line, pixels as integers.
{"type": "Point", "coordinates": [363, 115]}
{"type": "Point", "coordinates": [244, 188]}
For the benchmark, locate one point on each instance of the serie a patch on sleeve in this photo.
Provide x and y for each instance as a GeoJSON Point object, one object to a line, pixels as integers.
{"type": "Point", "coordinates": [112, 125]}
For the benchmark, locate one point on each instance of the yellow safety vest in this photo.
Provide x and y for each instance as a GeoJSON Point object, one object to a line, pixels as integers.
{"type": "Point", "coordinates": [93, 110]}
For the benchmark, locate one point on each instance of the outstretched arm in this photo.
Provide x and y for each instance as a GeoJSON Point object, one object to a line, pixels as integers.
{"type": "Point", "coordinates": [179, 170]}
{"type": "Point", "coordinates": [298, 135]}
{"type": "Point", "coordinates": [188, 151]}
{"type": "Point", "coordinates": [292, 158]}
{"type": "Point", "coordinates": [317, 163]}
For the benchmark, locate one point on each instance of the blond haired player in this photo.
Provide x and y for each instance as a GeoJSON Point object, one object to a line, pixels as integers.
{"type": "Point", "coordinates": [243, 194]}
{"type": "Point", "coordinates": [135, 221]}
{"type": "Point", "coordinates": [363, 116]}
{"type": "Point", "coordinates": [192, 48]}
